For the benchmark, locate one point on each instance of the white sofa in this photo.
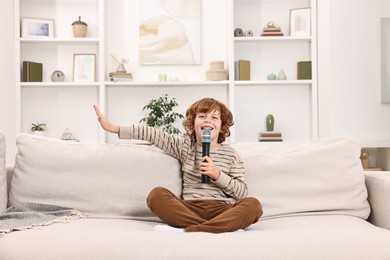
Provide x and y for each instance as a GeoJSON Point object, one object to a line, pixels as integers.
{"type": "Point", "coordinates": [314, 199]}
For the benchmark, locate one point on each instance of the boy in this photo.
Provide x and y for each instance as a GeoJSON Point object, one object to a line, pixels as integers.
{"type": "Point", "coordinates": [218, 206]}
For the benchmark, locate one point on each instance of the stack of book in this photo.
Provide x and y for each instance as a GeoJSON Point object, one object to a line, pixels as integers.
{"type": "Point", "coordinates": [270, 137]}
{"type": "Point", "coordinates": [272, 31]}
{"type": "Point", "coordinates": [121, 76]}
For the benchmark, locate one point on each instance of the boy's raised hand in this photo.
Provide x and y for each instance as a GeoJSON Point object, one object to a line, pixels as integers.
{"type": "Point", "coordinates": [106, 125]}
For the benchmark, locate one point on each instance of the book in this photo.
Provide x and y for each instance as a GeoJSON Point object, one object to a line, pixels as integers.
{"type": "Point", "coordinates": [270, 134]}
{"type": "Point", "coordinates": [272, 34]}
{"type": "Point", "coordinates": [32, 71]}
{"type": "Point", "coordinates": [120, 74]}
{"type": "Point", "coordinates": [271, 140]}
{"type": "Point", "coordinates": [304, 70]}
{"type": "Point", "coordinates": [116, 79]}
{"type": "Point", "coordinates": [242, 70]}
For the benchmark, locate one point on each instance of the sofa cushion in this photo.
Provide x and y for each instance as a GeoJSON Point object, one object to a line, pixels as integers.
{"type": "Point", "coordinates": [319, 177]}
{"type": "Point", "coordinates": [104, 179]}
{"type": "Point", "coordinates": [297, 238]}
{"type": "Point", "coordinates": [3, 175]}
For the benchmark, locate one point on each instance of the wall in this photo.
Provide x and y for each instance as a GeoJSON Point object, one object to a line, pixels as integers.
{"type": "Point", "coordinates": [349, 87]}
{"type": "Point", "coordinates": [7, 94]}
{"type": "Point", "coordinates": [349, 71]}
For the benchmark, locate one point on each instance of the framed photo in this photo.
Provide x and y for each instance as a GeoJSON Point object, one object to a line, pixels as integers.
{"type": "Point", "coordinates": [300, 22]}
{"type": "Point", "coordinates": [84, 67]}
{"type": "Point", "coordinates": [35, 27]}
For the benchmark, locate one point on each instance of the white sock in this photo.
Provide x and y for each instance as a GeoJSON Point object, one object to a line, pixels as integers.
{"type": "Point", "coordinates": [240, 230]}
{"type": "Point", "coordinates": [167, 228]}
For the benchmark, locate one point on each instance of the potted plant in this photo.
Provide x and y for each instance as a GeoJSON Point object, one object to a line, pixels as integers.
{"type": "Point", "coordinates": [38, 128]}
{"type": "Point", "coordinates": [161, 114]}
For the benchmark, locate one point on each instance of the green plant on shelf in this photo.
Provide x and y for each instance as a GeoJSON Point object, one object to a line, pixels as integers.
{"type": "Point", "coordinates": [161, 115]}
{"type": "Point", "coordinates": [38, 127]}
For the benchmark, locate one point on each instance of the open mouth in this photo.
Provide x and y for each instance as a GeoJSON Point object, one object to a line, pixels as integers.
{"type": "Point", "coordinates": [207, 127]}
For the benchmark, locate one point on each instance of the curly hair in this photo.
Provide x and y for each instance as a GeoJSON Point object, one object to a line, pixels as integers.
{"type": "Point", "coordinates": [207, 105]}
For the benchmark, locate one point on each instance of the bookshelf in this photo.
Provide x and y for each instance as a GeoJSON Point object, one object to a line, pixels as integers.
{"type": "Point", "coordinates": [68, 104]}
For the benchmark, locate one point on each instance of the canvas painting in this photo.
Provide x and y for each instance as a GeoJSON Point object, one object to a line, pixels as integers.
{"type": "Point", "coordinates": [169, 32]}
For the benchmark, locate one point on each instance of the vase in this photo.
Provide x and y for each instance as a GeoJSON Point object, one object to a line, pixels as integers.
{"type": "Point", "coordinates": [270, 121]}
{"type": "Point", "coordinates": [282, 75]}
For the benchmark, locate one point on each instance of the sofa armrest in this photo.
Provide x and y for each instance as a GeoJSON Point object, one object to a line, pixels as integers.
{"type": "Point", "coordinates": [378, 187]}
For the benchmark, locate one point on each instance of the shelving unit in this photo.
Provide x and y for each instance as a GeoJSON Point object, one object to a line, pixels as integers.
{"type": "Point", "coordinates": [69, 104]}
{"type": "Point", "coordinates": [55, 102]}
{"type": "Point", "coordinates": [292, 102]}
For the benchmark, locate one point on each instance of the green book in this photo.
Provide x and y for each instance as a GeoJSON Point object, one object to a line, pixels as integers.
{"type": "Point", "coordinates": [304, 70]}
{"type": "Point", "coordinates": [32, 71]}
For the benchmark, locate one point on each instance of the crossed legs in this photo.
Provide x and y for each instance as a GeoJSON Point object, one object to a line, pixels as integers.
{"type": "Point", "coordinates": [203, 215]}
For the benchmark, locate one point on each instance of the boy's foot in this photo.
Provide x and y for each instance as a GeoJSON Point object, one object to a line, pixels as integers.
{"type": "Point", "coordinates": [167, 228]}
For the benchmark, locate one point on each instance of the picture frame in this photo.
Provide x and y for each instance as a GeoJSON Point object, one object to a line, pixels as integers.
{"type": "Point", "coordinates": [300, 22]}
{"type": "Point", "coordinates": [84, 65]}
{"type": "Point", "coordinates": [37, 27]}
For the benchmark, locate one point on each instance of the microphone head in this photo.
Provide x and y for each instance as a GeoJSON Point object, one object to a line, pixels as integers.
{"type": "Point", "coordinates": [206, 135]}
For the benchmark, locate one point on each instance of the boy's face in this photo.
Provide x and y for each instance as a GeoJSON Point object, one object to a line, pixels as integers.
{"type": "Point", "coordinates": [212, 121]}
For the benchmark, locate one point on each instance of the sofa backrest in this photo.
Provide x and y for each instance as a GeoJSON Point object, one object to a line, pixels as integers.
{"type": "Point", "coordinates": [103, 179]}
{"type": "Point", "coordinates": [313, 178]}
{"type": "Point", "coordinates": [320, 177]}
{"type": "Point", "coordinates": [3, 176]}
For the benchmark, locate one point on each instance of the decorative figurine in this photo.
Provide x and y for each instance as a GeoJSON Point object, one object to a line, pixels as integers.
{"type": "Point", "coordinates": [364, 158]}
{"type": "Point", "coordinates": [282, 75]}
{"type": "Point", "coordinates": [248, 33]}
{"type": "Point", "coordinates": [120, 62]}
{"type": "Point", "coordinates": [271, 76]}
{"type": "Point", "coordinates": [270, 122]}
{"type": "Point", "coordinates": [238, 32]}
{"type": "Point", "coordinates": [79, 28]}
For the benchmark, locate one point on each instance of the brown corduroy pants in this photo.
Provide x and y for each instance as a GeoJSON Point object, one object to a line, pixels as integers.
{"type": "Point", "coordinates": [203, 215]}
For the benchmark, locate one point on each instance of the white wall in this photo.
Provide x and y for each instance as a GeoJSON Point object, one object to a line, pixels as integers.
{"type": "Point", "coordinates": [7, 94]}
{"type": "Point", "coordinates": [349, 70]}
{"type": "Point", "coordinates": [349, 85]}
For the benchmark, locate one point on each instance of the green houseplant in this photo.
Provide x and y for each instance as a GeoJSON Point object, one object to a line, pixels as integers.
{"type": "Point", "coordinates": [38, 128]}
{"type": "Point", "coordinates": [161, 115]}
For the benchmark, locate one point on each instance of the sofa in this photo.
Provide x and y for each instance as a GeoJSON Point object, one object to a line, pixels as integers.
{"type": "Point", "coordinates": [318, 203]}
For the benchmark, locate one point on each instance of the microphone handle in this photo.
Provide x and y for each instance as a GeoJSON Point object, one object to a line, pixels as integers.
{"type": "Point", "coordinates": [205, 152]}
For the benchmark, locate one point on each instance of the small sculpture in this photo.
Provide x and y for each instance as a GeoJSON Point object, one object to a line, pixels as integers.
{"type": "Point", "coordinates": [248, 33]}
{"type": "Point", "coordinates": [282, 75]}
{"type": "Point", "coordinates": [68, 136]}
{"type": "Point", "coordinates": [364, 158]}
{"type": "Point", "coordinates": [238, 32]}
{"type": "Point", "coordinates": [79, 28]}
{"type": "Point", "coordinates": [270, 122]}
{"type": "Point", "coordinates": [271, 76]}
{"type": "Point", "coordinates": [120, 62]}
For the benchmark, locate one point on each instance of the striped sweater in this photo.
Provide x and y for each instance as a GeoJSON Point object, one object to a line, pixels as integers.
{"type": "Point", "coordinates": [230, 185]}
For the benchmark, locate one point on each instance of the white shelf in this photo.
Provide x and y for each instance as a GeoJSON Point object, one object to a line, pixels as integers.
{"type": "Point", "coordinates": [59, 84]}
{"type": "Point", "coordinates": [272, 39]}
{"type": "Point", "coordinates": [60, 40]}
{"type": "Point", "coordinates": [168, 83]}
{"type": "Point", "coordinates": [271, 82]}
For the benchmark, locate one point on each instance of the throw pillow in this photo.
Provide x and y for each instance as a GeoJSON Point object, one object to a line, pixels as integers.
{"type": "Point", "coordinates": [103, 179]}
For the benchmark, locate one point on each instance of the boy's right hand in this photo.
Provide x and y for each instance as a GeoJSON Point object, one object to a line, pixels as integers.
{"type": "Point", "coordinates": [106, 125]}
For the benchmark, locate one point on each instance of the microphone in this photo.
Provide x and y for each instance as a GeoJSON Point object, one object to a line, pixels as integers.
{"type": "Point", "coordinates": [206, 139]}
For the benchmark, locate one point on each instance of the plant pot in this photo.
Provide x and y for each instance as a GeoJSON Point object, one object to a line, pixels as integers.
{"type": "Point", "coordinates": [39, 133]}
